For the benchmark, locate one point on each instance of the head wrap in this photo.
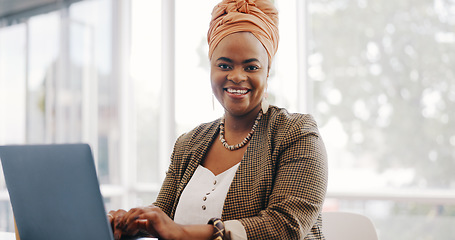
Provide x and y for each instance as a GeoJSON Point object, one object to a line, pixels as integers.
{"type": "Point", "coordinates": [259, 17]}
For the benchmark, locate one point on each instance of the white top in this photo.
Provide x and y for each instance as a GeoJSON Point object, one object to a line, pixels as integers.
{"type": "Point", "coordinates": [203, 198]}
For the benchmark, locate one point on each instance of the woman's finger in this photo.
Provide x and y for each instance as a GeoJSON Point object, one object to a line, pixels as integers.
{"type": "Point", "coordinates": [117, 234]}
{"type": "Point", "coordinates": [114, 217]}
{"type": "Point", "coordinates": [129, 224]}
{"type": "Point", "coordinates": [157, 223]}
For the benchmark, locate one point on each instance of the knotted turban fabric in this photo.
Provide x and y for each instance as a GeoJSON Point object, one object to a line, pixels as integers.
{"type": "Point", "coordinates": [259, 17]}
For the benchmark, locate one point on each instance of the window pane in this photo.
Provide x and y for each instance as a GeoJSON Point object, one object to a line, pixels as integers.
{"type": "Point", "coordinates": [146, 76]}
{"type": "Point", "coordinates": [93, 19]}
{"type": "Point", "coordinates": [384, 88]}
{"type": "Point", "coordinates": [283, 85]}
{"type": "Point", "coordinates": [43, 51]}
{"type": "Point", "coordinates": [12, 84]}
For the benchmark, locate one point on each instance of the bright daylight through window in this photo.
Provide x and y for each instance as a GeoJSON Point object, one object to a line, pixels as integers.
{"type": "Point", "coordinates": [384, 94]}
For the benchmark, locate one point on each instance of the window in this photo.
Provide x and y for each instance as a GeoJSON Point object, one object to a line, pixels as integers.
{"type": "Point", "coordinates": [384, 90]}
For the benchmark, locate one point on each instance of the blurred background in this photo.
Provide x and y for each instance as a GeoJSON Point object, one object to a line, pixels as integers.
{"type": "Point", "coordinates": [130, 76]}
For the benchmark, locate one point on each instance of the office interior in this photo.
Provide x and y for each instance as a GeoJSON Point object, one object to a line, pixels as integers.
{"type": "Point", "coordinates": [130, 76]}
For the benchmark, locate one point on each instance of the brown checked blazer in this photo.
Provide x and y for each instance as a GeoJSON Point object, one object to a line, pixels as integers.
{"type": "Point", "coordinates": [279, 188]}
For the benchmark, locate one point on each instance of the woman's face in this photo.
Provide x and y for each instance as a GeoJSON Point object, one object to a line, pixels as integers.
{"type": "Point", "coordinates": [239, 71]}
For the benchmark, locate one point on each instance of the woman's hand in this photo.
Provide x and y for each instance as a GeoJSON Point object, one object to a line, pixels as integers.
{"type": "Point", "coordinates": [151, 220]}
{"type": "Point", "coordinates": [115, 218]}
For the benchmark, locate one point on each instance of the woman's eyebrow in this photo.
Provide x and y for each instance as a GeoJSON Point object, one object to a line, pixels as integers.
{"type": "Point", "coordinates": [251, 60]}
{"type": "Point", "coordinates": [230, 60]}
{"type": "Point", "coordinates": [224, 59]}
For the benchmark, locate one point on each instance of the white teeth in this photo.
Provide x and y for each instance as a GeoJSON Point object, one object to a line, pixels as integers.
{"type": "Point", "coordinates": [237, 91]}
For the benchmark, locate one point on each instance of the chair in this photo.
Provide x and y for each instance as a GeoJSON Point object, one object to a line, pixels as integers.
{"type": "Point", "coordinates": [347, 226]}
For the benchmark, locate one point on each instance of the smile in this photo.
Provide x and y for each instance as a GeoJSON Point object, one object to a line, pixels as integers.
{"type": "Point", "coordinates": [237, 91]}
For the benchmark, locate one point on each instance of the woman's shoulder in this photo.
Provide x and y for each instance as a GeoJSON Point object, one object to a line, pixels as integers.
{"type": "Point", "coordinates": [199, 132]}
{"type": "Point", "coordinates": [284, 128]}
{"type": "Point", "coordinates": [282, 118]}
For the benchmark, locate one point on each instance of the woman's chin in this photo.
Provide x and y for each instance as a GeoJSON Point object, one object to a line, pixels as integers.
{"type": "Point", "coordinates": [238, 111]}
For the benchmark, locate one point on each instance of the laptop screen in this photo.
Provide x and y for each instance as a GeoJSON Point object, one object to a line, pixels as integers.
{"type": "Point", "coordinates": [54, 192]}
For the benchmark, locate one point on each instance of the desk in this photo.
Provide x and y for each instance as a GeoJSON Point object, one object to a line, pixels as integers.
{"type": "Point", "coordinates": [12, 236]}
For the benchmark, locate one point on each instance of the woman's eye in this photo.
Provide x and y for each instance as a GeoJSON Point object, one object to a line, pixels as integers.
{"type": "Point", "coordinates": [252, 68]}
{"type": "Point", "coordinates": [223, 66]}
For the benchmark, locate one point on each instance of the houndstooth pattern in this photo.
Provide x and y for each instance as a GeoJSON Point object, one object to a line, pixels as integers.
{"type": "Point", "coordinates": [280, 185]}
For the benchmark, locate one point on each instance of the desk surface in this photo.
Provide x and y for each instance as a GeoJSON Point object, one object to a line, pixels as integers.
{"type": "Point", "coordinates": [12, 236]}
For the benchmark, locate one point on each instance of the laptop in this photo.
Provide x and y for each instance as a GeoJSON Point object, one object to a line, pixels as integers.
{"type": "Point", "coordinates": [54, 192]}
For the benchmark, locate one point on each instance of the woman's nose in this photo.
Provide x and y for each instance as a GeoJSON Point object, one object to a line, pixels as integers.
{"type": "Point", "coordinates": [237, 75]}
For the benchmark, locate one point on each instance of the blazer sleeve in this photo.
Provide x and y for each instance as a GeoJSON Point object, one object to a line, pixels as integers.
{"type": "Point", "coordinates": [299, 186]}
{"type": "Point", "coordinates": [168, 191]}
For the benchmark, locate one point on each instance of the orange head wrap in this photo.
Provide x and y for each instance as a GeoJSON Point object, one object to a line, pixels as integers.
{"type": "Point", "coordinates": [259, 17]}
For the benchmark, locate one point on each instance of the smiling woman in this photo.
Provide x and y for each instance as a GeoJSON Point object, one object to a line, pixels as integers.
{"type": "Point", "coordinates": [276, 170]}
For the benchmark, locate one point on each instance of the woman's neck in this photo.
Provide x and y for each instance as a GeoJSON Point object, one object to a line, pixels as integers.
{"type": "Point", "coordinates": [240, 124]}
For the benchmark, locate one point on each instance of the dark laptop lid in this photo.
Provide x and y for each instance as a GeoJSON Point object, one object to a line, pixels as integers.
{"type": "Point", "coordinates": [54, 192]}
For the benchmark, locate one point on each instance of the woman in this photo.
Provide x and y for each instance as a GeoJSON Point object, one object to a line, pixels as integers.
{"type": "Point", "coordinates": [271, 183]}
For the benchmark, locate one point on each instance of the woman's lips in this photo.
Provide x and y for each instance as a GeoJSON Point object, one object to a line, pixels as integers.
{"type": "Point", "coordinates": [237, 92]}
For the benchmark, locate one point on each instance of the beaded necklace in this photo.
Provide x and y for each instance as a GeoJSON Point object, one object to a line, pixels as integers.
{"type": "Point", "coordinates": [245, 140]}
